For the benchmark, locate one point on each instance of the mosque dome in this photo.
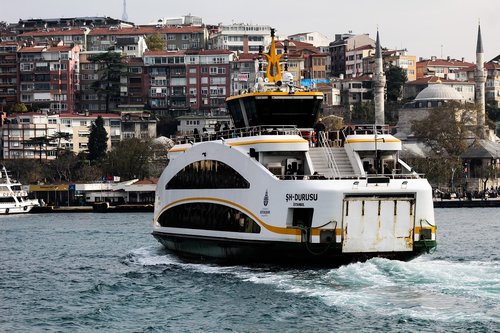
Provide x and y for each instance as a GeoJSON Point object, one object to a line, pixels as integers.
{"type": "Point", "coordinates": [439, 92]}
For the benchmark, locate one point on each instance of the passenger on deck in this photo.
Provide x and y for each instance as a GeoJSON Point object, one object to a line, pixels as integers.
{"type": "Point", "coordinates": [289, 172]}
{"type": "Point", "coordinates": [319, 129]}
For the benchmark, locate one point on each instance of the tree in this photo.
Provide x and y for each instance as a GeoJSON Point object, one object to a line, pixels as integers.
{"type": "Point", "coordinates": [98, 140]}
{"type": "Point", "coordinates": [445, 131]}
{"type": "Point", "coordinates": [40, 141]}
{"type": "Point", "coordinates": [363, 113]}
{"type": "Point", "coordinates": [155, 42]}
{"type": "Point", "coordinates": [59, 136]}
{"type": "Point", "coordinates": [19, 107]}
{"type": "Point", "coordinates": [111, 68]}
{"type": "Point", "coordinates": [396, 78]}
{"type": "Point", "coordinates": [130, 159]}
{"type": "Point", "coordinates": [64, 166]}
{"type": "Point", "coordinates": [446, 128]}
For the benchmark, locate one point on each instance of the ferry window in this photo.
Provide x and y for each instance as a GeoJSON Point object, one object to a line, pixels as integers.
{"type": "Point", "coordinates": [208, 216]}
{"type": "Point", "coordinates": [207, 174]}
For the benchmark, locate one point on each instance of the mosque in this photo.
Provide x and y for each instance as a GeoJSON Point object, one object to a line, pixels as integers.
{"type": "Point", "coordinates": [481, 162]}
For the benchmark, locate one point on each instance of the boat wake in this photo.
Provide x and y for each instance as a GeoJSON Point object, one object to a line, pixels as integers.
{"type": "Point", "coordinates": [424, 288]}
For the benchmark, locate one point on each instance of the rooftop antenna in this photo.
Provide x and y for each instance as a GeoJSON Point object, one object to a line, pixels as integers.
{"type": "Point", "coordinates": [124, 15]}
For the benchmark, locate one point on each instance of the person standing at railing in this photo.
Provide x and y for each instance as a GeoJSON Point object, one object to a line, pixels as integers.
{"type": "Point", "coordinates": [319, 129]}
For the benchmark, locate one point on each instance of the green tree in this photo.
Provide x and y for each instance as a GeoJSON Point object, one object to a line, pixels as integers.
{"type": "Point", "coordinates": [130, 159]}
{"type": "Point", "coordinates": [446, 128]}
{"type": "Point", "coordinates": [396, 78]}
{"type": "Point", "coordinates": [111, 68]}
{"type": "Point", "coordinates": [155, 42]}
{"type": "Point", "coordinates": [98, 140]}
{"type": "Point", "coordinates": [19, 107]}
{"type": "Point", "coordinates": [445, 131]}
{"type": "Point", "coordinates": [60, 136]}
{"type": "Point", "coordinates": [363, 113]}
{"type": "Point", "coordinates": [40, 141]}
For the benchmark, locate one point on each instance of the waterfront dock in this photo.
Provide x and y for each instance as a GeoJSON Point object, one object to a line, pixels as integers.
{"type": "Point", "coordinates": [96, 208]}
{"type": "Point", "coordinates": [473, 203]}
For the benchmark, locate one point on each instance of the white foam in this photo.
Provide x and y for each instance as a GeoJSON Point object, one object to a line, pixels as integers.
{"type": "Point", "coordinates": [422, 288]}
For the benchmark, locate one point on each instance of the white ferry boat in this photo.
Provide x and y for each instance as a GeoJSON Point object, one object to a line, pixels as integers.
{"type": "Point", "coordinates": [267, 193]}
{"type": "Point", "coordinates": [13, 199]}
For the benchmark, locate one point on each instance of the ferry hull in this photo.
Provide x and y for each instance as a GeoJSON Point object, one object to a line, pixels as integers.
{"type": "Point", "coordinates": [235, 251]}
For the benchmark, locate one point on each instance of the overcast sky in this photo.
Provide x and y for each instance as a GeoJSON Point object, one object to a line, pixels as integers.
{"type": "Point", "coordinates": [425, 27]}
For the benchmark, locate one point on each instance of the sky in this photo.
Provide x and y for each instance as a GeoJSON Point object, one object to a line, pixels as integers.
{"type": "Point", "coordinates": [425, 28]}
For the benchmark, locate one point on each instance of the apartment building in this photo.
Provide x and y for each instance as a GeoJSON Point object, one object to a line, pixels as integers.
{"type": "Point", "coordinates": [48, 76]}
{"type": "Point", "coordinates": [342, 44]}
{"type": "Point", "coordinates": [134, 85]}
{"type": "Point", "coordinates": [194, 80]}
{"type": "Point", "coordinates": [492, 86]}
{"type": "Point", "coordinates": [399, 58]}
{"type": "Point", "coordinates": [232, 37]}
{"type": "Point", "coordinates": [354, 64]}
{"type": "Point", "coordinates": [8, 72]}
{"type": "Point", "coordinates": [67, 35]}
{"type": "Point", "coordinates": [166, 74]}
{"type": "Point", "coordinates": [243, 72]}
{"type": "Point", "coordinates": [443, 68]}
{"type": "Point", "coordinates": [315, 38]}
{"type": "Point", "coordinates": [177, 38]}
{"type": "Point", "coordinates": [20, 128]}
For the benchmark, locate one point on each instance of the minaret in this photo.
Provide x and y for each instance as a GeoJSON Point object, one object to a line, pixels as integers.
{"type": "Point", "coordinates": [379, 85]}
{"type": "Point", "coordinates": [480, 78]}
{"type": "Point", "coordinates": [124, 15]}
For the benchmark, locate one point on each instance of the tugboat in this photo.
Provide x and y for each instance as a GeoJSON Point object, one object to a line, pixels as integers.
{"type": "Point", "coordinates": [266, 192]}
{"type": "Point", "coordinates": [13, 199]}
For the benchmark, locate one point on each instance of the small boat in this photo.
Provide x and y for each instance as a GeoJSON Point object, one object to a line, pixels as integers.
{"type": "Point", "coordinates": [13, 199]}
{"type": "Point", "coordinates": [271, 190]}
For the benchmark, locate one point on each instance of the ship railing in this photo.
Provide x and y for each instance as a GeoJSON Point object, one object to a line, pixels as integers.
{"type": "Point", "coordinates": [366, 129]}
{"type": "Point", "coordinates": [238, 133]}
{"type": "Point", "coordinates": [328, 154]}
{"type": "Point", "coordinates": [371, 178]}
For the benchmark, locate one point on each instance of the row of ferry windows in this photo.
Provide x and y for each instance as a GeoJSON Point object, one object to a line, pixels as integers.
{"type": "Point", "coordinates": [208, 216]}
{"type": "Point", "coordinates": [207, 174]}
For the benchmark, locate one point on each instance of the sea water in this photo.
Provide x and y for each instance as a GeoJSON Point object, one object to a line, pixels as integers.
{"type": "Point", "coordinates": [105, 272]}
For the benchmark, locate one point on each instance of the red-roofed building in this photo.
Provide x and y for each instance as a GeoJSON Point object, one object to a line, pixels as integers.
{"type": "Point", "coordinates": [177, 38]}
{"type": "Point", "coordinates": [48, 76]}
{"type": "Point", "coordinates": [67, 35]}
{"type": "Point", "coordinates": [194, 80]}
{"type": "Point", "coordinates": [492, 95]}
{"type": "Point", "coordinates": [443, 68]}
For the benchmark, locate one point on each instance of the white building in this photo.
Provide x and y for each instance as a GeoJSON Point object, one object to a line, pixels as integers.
{"type": "Point", "coordinates": [233, 37]}
{"type": "Point", "coordinates": [315, 38]}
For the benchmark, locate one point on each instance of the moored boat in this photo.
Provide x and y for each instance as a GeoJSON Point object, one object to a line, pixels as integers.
{"type": "Point", "coordinates": [13, 199]}
{"type": "Point", "coordinates": [269, 191]}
